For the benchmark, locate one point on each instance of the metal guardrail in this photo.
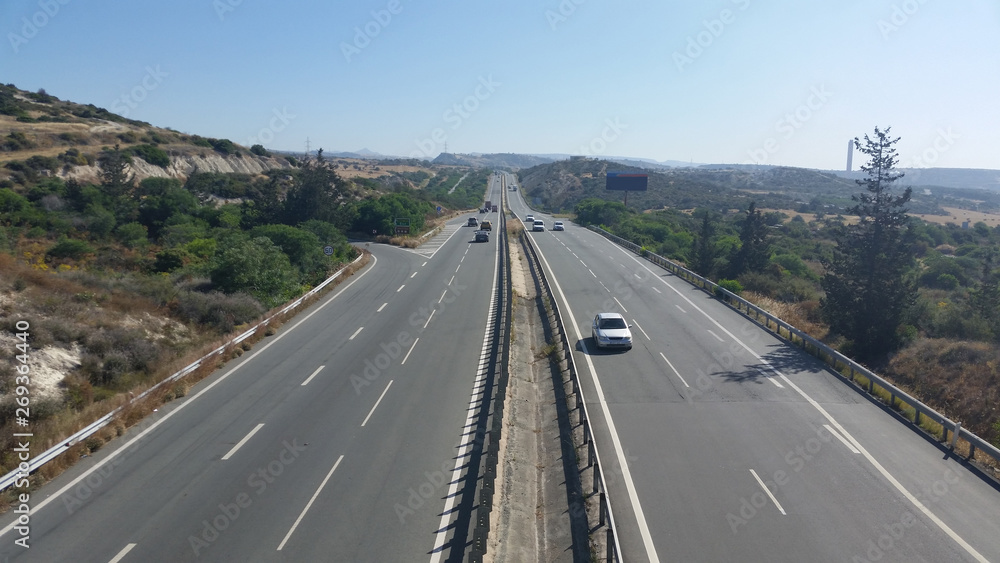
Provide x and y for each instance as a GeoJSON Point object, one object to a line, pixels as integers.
{"type": "Point", "coordinates": [840, 363]}
{"type": "Point", "coordinates": [502, 331]}
{"type": "Point", "coordinates": [64, 445]}
{"type": "Point", "coordinates": [605, 514]}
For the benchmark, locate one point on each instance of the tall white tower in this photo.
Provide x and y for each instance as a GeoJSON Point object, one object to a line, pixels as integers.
{"type": "Point", "coordinates": [850, 153]}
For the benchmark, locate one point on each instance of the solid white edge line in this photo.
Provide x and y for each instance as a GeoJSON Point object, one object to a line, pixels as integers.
{"type": "Point", "coordinates": [843, 440]}
{"type": "Point", "coordinates": [122, 553]}
{"type": "Point", "coordinates": [771, 379]}
{"type": "Point", "coordinates": [356, 332]}
{"type": "Point", "coordinates": [375, 406]}
{"type": "Point", "coordinates": [414, 345]}
{"type": "Point", "coordinates": [308, 379]}
{"type": "Point", "coordinates": [638, 326]}
{"type": "Point", "coordinates": [181, 406]}
{"type": "Point", "coordinates": [456, 472]}
{"type": "Point", "coordinates": [675, 370]}
{"type": "Point", "coordinates": [647, 538]}
{"type": "Point", "coordinates": [379, 310]}
{"type": "Point", "coordinates": [309, 504]}
{"type": "Point", "coordinates": [243, 441]}
{"type": "Point", "coordinates": [871, 459]}
{"type": "Point", "coordinates": [768, 491]}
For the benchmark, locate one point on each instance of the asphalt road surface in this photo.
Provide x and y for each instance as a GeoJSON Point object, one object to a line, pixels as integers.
{"type": "Point", "coordinates": [344, 437]}
{"type": "Point", "coordinates": [722, 443]}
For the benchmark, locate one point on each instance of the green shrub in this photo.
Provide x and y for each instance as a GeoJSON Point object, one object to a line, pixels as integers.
{"type": "Point", "coordinates": [731, 286]}
{"type": "Point", "coordinates": [217, 310]}
{"type": "Point", "coordinates": [70, 248]}
{"type": "Point", "coordinates": [131, 234]}
{"type": "Point", "coordinates": [259, 150]}
{"type": "Point", "coordinates": [152, 155]}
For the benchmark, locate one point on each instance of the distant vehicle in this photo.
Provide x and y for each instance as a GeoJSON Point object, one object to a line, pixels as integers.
{"type": "Point", "coordinates": [486, 226]}
{"type": "Point", "coordinates": [529, 219]}
{"type": "Point", "coordinates": [538, 225]}
{"type": "Point", "coordinates": [611, 331]}
{"type": "Point", "coordinates": [558, 226]}
{"type": "Point", "coordinates": [473, 222]}
{"type": "Point", "coordinates": [482, 236]}
{"type": "Point", "coordinates": [496, 208]}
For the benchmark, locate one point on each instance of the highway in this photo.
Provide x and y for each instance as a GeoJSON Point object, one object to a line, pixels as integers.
{"type": "Point", "coordinates": [344, 437]}
{"type": "Point", "coordinates": [722, 443]}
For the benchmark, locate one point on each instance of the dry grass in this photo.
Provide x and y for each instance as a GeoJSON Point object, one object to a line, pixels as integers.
{"type": "Point", "coordinates": [53, 430]}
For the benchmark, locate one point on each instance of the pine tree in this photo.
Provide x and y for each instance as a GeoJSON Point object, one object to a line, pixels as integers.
{"type": "Point", "coordinates": [115, 177]}
{"type": "Point", "coordinates": [704, 250]}
{"type": "Point", "coordinates": [755, 248]}
{"type": "Point", "coordinates": [868, 290]}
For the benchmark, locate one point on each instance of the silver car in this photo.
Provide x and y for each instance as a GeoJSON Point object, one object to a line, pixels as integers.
{"type": "Point", "coordinates": [611, 331]}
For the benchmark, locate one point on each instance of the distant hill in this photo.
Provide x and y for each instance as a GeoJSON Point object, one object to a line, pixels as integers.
{"type": "Point", "coordinates": [961, 178]}
{"type": "Point", "coordinates": [43, 135]}
{"type": "Point", "coordinates": [559, 185]}
{"type": "Point", "coordinates": [507, 161]}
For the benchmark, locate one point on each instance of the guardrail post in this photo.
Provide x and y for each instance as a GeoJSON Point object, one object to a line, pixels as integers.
{"type": "Point", "coordinates": [586, 431]}
{"type": "Point", "coordinates": [610, 541]}
{"type": "Point", "coordinates": [916, 417]}
{"type": "Point", "coordinates": [604, 506]}
{"type": "Point", "coordinates": [954, 436]}
{"type": "Point", "coordinates": [597, 476]}
{"type": "Point", "coordinates": [590, 454]}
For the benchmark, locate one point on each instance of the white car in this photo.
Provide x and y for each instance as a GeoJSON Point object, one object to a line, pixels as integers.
{"type": "Point", "coordinates": [538, 225]}
{"type": "Point", "coordinates": [529, 219]}
{"type": "Point", "coordinates": [558, 226]}
{"type": "Point", "coordinates": [611, 331]}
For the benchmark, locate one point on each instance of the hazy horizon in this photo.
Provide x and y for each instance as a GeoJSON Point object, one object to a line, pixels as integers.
{"type": "Point", "coordinates": [731, 81]}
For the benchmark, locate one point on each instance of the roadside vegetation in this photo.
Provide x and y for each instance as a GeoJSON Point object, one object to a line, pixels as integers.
{"type": "Point", "coordinates": [917, 301]}
{"type": "Point", "coordinates": [125, 279]}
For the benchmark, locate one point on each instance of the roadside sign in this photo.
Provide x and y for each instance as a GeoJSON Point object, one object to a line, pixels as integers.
{"type": "Point", "coordinates": [328, 250]}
